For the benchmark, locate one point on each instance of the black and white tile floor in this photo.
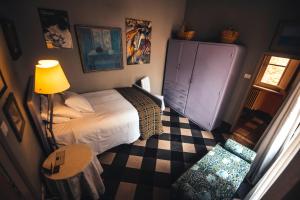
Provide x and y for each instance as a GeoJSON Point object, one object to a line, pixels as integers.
{"type": "Point", "coordinates": [147, 168]}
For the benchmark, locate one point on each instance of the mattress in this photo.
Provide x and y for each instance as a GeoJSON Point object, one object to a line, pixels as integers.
{"type": "Point", "coordinates": [114, 122]}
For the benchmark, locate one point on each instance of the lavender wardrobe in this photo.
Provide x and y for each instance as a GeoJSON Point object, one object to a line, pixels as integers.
{"type": "Point", "coordinates": [199, 79]}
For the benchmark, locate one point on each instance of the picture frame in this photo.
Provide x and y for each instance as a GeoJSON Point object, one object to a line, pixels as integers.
{"type": "Point", "coordinates": [287, 38]}
{"type": "Point", "coordinates": [11, 38]}
{"type": "Point", "coordinates": [100, 47]}
{"type": "Point", "coordinates": [138, 41]}
{"type": "Point", "coordinates": [14, 116]}
{"type": "Point", "coordinates": [3, 85]}
{"type": "Point", "coordinates": [56, 28]}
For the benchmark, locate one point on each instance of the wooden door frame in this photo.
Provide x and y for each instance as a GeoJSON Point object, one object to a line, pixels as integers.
{"type": "Point", "coordinates": [254, 76]}
{"type": "Point", "coordinates": [17, 166]}
{"type": "Point", "coordinates": [10, 179]}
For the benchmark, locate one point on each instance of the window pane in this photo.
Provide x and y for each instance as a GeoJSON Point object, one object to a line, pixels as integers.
{"type": "Point", "coordinates": [272, 75]}
{"type": "Point", "coordinates": [279, 61]}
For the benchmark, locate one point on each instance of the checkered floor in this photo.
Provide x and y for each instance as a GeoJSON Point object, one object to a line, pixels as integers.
{"type": "Point", "coordinates": [147, 168]}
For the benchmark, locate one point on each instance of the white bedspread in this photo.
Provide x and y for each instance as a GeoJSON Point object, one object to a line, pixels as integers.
{"type": "Point", "coordinates": [115, 122]}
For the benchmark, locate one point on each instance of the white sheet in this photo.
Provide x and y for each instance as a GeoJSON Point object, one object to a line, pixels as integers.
{"type": "Point", "coordinates": [114, 122]}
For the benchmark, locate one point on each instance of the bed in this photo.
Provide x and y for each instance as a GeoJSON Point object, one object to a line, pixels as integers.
{"type": "Point", "coordinates": [117, 119]}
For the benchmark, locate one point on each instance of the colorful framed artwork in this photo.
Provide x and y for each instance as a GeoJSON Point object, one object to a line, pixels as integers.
{"type": "Point", "coordinates": [3, 85]}
{"type": "Point", "coordinates": [138, 41]}
{"type": "Point", "coordinates": [100, 47]}
{"type": "Point", "coordinates": [11, 37]}
{"type": "Point", "coordinates": [56, 28]}
{"type": "Point", "coordinates": [287, 38]}
{"type": "Point", "coordinates": [14, 116]}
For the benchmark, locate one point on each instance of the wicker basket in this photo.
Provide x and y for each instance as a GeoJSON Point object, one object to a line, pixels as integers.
{"type": "Point", "coordinates": [229, 36]}
{"type": "Point", "coordinates": [187, 35]}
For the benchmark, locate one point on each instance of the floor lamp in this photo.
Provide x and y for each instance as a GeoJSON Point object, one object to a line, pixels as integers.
{"type": "Point", "coordinates": [49, 80]}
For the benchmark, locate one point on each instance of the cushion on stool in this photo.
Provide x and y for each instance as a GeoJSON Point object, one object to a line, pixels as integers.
{"type": "Point", "coordinates": [240, 150]}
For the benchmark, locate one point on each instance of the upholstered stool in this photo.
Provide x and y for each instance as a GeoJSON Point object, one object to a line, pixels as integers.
{"type": "Point", "coordinates": [217, 175]}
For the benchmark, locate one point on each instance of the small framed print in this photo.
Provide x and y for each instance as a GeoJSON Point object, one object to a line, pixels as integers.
{"type": "Point", "coordinates": [3, 85]}
{"type": "Point", "coordinates": [11, 37]}
{"type": "Point", "coordinates": [56, 28]}
{"type": "Point", "coordinates": [14, 116]}
{"type": "Point", "coordinates": [287, 38]}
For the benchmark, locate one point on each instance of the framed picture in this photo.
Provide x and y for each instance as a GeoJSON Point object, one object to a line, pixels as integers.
{"type": "Point", "coordinates": [56, 28]}
{"type": "Point", "coordinates": [11, 37]}
{"type": "Point", "coordinates": [100, 47]}
{"type": "Point", "coordinates": [3, 85]}
{"type": "Point", "coordinates": [287, 38]}
{"type": "Point", "coordinates": [14, 116]}
{"type": "Point", "coordinates": [138, 41]}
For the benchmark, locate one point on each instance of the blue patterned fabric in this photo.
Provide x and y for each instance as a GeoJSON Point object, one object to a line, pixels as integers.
{"type": "Point", "coordinates": [240, 150]}
{"type": "Point", "coordinates": [217, 175]}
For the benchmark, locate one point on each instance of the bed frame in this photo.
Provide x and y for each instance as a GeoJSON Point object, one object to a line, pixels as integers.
{"type": "Point", "coordinates": [33, 106]}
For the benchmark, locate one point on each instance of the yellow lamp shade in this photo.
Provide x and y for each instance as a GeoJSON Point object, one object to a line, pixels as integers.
{"type": "Point", "coordinates": [50, 78]}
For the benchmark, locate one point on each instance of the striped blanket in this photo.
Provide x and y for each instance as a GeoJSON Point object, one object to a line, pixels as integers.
{"type": "Point", "coordinates": [148, 110]}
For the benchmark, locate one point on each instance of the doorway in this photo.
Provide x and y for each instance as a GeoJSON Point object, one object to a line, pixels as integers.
{"type": "Point", "coordinates": [269, 90]}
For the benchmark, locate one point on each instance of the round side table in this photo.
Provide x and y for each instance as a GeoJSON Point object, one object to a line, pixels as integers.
{"type": "Point", "coordinates": [80, 168]}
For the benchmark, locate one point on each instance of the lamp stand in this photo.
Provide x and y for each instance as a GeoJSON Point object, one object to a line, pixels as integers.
{"type": "Point", "coordinates": [50, 126]}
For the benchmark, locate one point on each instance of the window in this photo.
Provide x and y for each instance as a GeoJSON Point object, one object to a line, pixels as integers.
{"type": "Point", "coordinates": [275, 70]}
{"type": "Point", "coordinates": [276, 73]}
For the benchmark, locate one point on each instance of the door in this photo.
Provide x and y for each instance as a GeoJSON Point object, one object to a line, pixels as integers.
{"type": "Point", "coordinates": [173, 55]}
{"type": "Point", "coordinates": [11, 182]}
{"type": "Point", "coordinates": [182, 55]}
{"type": "Point", "coordinates": [186, 64]}
{"type": "Point", "coordinates": [8, 190]}
{"type": "Point", "coordinates": [210, 73]}
{"type": "Point", "coordinates": [275, 78]}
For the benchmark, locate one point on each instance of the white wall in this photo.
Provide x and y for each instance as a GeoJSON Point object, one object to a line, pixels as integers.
{"type": "Point", "coordinates": [28, 153]}
{"type": "Point", "coordinates": [165, 15]}
{"type": "Point", "coordinates": [287, 184]}
{"type": "Point", "coordinates": [256, 21]}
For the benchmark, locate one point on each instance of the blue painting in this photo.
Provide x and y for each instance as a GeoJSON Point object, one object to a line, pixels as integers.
{"type": "Point", "coordinates": [100, 48]}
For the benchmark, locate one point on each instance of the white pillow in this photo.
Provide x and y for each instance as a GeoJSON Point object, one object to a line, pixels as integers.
{"type": "Point", "coordinates": [56, 119]}
{"type": "Point", "coordinates": [78, 102]}
{"type": "Point", "coordinates": [59, 108]}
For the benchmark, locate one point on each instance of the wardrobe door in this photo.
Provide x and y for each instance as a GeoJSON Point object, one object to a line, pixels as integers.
{"type": "Point", "coordinates": [176, 88]}
{"type": "Point", "coordinates": [186, 64]}
{"type": "Point", "coordinates": [210, 73]}
{"type": "Point", "coordinates": [173, 59]}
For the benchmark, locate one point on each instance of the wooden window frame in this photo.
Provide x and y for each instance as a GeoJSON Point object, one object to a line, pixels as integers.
{"type": "Point", "coordinates": [289, 71]}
